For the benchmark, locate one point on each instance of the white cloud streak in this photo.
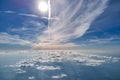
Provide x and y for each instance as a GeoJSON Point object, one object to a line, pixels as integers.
{"type": "Point", "coordinates": [75, 19]}
{"type": "Point", "coordinates": [104, 40]}
{"type": "Point", "coordinates": [11, 12]}
{"type": "Point", "coordinates": [69, 20]}
{"type": "Point", "coordinates": [21, 14]}
{"type": "Point", "coordinates": [28, 15]}
{"type": "Point", "coordinates": [10, 39]}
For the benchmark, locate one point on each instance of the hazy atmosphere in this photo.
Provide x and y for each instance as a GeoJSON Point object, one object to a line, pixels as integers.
{"type": "Point", "coordinates": [60, 39]}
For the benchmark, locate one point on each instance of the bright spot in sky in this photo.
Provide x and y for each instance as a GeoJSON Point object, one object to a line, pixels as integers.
{"type": "Point", "coordinates": [43, 6]}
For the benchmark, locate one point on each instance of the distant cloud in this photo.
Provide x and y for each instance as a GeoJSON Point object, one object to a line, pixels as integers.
{"type": "Point", "coordinates": [59, 76]}
{"type": "Point", "coordinates": [104, 40]}
{"type": "Point", "coordinates": [10, 39]}
{"type": "Point", "coordinates": [51, 57]}
{"type": "Point", "coordinates": [54, 45]}
{"type": "Point", "coordinates": [31, 78]}
{"type": "Point", "coordinates": [7, 12]}
{"type": "Point", "coordinates": [48, 68]}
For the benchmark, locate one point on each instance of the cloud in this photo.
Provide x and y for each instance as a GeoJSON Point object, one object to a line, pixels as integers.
{"type": "Point", "coordinates": [31, 78]}
{"type": "Point", "coordinates": [54, 45]}
{"type": "Point", "coordinates": [75, 19]}
{"type": "Point", "coordinates": [12, 39]}
{"type": "Point", "coordinates": [69, 20]}
{"type": "Point", "coordinates": [38, 61]}
{"type": "Point", "coordinates": [104, 40]}
{"type": "Point", "coordinates": [48, 68]}
{"type": "Point", "coordinates": [29, 26]}
{"type": "Point", "coordinates": [29, 30]}
{"type": "Point", "coordinates": [21, 14]}
{"type": "Point", "coordinates": [28, 15]}
{"type": "Point", "coordinates": [11, 12]}
{"type": "Point", "coordinates": [59, 76]}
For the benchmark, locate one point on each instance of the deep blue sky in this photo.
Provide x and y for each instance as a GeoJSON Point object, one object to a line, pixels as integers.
{"type": "Point", "coordinates": [20, 19]}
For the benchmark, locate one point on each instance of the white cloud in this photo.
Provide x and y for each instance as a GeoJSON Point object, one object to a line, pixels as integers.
{"type": "Point", "coordinates": [31, 78]}
{"type": "Point", "coordinates": [54, 46]}
{"type": "Point", "coordinates": [74, 20]}
{"type": "Point", "coordinates": [8, 12]}
{"type": "Point", "coordinates": [20, 71]}
{"type": "Point", "coordinates": [104, 40]}
{"type": "Point", "coordinates": [28, 15]}
{"type": "Point", "coordinates": [59, 76]}
{"type": "Point", "coordinates": [69, 20]}
{"type": "Point", "coordinates": [48, 68]}
{"type": "Point", "coordinates": [21, 14]}
{"type": "Point", "coordinates": [38, 58]}
{"type": "Point", "coordinates": [10, 39]}
{"type": "Point", "coordinates": [27, 26]}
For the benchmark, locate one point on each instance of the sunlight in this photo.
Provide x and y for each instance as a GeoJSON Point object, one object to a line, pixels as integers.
{"type": "Point", "coordinates": [43, 6]}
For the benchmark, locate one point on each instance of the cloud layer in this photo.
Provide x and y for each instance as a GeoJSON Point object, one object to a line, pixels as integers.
{"type": "Point", "coordinates": [69, 20]}
{"type": "Point", "coordinates": [9, 39]}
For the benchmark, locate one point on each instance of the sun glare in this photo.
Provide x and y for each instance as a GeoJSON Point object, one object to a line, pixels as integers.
{"type": "Point", "coordinates": [43, 6]}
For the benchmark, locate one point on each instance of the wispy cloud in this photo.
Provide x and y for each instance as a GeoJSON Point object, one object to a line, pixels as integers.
{"type": "Point", "coordinates": [75, 19]}
{"type": "Point", "coordinates": [104, 40]}
{"type": "Point", "coordinates": [69, 20]}
{"type": "Point", "coordinates": [54, 46]}
{"type": "Point", "coordinates": [28, 15]}
{"type": "Point", "coordinates": [21, 14]}
{"type": "Point", "coordinates": [10, 39]}
{"type": "Point", "coordinates": [7, 12]}
{"type": "Point", "coordinates": [30, 25]}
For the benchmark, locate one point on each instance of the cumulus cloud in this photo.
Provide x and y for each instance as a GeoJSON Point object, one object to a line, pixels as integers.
{"type": "Point", "coordinates": [48, 68]}
{"type": "Point", "coordinates": [37, 61]}
{"type": "Point", "coordinates": [31, 78]}
{"type": "Point", "coordinates": [58, 64]}
{"type": "Point", "coordinates": [59, 76]}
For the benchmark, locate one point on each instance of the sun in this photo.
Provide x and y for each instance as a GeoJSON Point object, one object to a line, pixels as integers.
{"type": "Point", "coordinates": [43, 6]}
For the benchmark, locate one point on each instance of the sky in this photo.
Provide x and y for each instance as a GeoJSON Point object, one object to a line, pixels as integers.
{"type": "Point", "coordinates": [73, 24]}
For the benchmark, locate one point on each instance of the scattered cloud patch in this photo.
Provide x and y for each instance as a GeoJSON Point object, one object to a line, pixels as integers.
{"type": "Point", "coordinates": [62, 56]}
{"type": "Point", "coordinates": [48, 68]}
{"type": "Point", "coordinates": [31, 78]}
{"type": "Point", "coordinates": [59, 76]}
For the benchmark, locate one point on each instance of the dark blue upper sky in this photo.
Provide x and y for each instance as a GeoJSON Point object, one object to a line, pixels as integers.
{"type": "Point", "coordinates": [22, 24]}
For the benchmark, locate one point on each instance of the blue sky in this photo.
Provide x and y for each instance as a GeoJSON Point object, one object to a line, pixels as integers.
{"type": "Point", "coordinates": [83, 24]}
